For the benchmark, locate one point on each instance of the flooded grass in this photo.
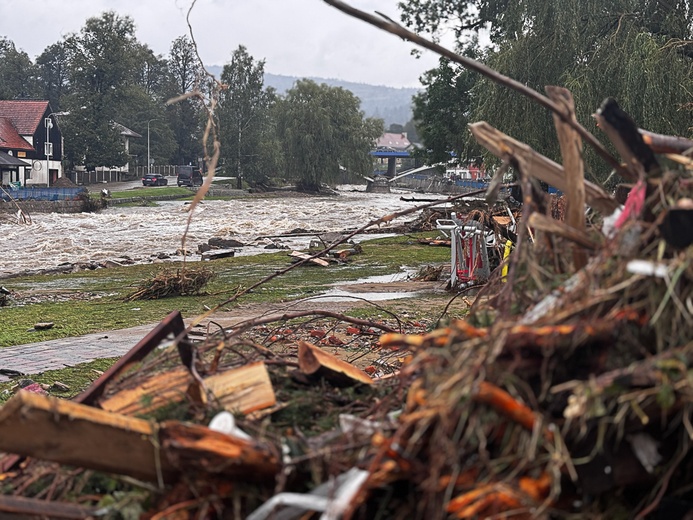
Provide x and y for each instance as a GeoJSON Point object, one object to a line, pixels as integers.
{"type": "Point", "coordinates": [93, 301]}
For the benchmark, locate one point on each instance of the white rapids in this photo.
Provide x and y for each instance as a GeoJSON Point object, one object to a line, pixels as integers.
{"type": "Point", "coordinates": [142, 233]}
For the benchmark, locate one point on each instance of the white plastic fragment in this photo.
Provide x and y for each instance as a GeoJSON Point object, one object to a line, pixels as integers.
{"type": "Point", "coordinates": [330, 498]}
{"type": "Point", "coordinates": [224, 422]}
{"type": "Point", "coordinates": [648, 268]}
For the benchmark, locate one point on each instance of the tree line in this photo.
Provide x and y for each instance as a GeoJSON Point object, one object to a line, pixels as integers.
{"type": "Point", "coordinates": [637, 51]}
{"type": "Point", "coordinates": [103, 76]}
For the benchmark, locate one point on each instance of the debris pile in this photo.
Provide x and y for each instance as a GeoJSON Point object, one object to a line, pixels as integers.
{"type": "Point", "coordinates": [167, 283]}
{"type": "Point", "coordinates": [566, 391]}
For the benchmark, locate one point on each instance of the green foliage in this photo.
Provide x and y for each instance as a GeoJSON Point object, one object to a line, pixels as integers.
{"type": "Point", "coordinates": [244, 124]}
{"type": "Point", "coordinates": [637, 51]}
{"type": "Point", "coordinates": [53, 74]}
{"type": "Point", "coordinates": [101, 58]}
{"type": "Point", "coordinates": [185, 116]}
{"type": "Point", "coordinates": [323, 130]}
{"type": "Point", "coordinates": [443, 126]}
{"type": "Point", "coordinates": [16, 72]}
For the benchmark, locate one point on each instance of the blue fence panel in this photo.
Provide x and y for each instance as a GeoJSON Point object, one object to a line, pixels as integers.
{"type": "Point", "coordinates": [45, 194]}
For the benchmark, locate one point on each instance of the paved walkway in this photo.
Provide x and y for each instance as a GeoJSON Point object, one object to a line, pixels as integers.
{"type": "Point", "coordinates": [34, 358]}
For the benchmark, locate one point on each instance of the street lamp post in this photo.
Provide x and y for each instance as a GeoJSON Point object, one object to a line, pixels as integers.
{"type": "Point", "coordinates": [149, 164]}
{"type": "Point", "coordinates": [48, 148]}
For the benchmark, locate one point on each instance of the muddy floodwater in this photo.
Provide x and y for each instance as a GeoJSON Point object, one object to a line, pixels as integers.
{"type": "Point", "coordinates": [143, 233]}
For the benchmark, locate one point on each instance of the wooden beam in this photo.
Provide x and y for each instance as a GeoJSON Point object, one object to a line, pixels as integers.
{"type": "Point", "coordinates": [63, 431]}
{"type": "Point", "coordinates": [571, 150]}
{"type": "Point", "coordinates": [78, 435]}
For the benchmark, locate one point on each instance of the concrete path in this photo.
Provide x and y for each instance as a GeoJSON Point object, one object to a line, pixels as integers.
{"type": "Point", "coordinates": [34, 358]}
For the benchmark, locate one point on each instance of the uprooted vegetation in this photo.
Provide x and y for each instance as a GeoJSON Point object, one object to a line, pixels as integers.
{"type": "Point", "coordinates": [167, 283]}
{"type": "Point", "coordinates": [566, 392]}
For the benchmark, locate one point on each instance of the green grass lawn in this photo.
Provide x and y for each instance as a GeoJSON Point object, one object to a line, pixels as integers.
{"type": "Point", "coordinates": [93, 301]}
{"type": "Point", "coordinates": [96, 298]}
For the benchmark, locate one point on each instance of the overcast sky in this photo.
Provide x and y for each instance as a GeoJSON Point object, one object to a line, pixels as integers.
{"type": "Point", "coordinates": [295, 37]}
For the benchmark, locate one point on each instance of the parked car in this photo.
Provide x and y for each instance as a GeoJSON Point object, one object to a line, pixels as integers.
{"type": "Point", "coordinates": [154, 179]}
{"type": "Point", "coordinates": [189, 176]}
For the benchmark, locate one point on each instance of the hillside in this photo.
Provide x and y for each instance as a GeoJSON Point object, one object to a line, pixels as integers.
{"type": "Point", "coordinates": [391, 104]}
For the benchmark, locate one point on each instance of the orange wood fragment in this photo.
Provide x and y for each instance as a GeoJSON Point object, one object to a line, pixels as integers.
{"type": "Point", "coordinates": [505, 404]}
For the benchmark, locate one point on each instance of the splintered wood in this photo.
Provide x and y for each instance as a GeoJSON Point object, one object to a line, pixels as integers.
{"type": "Point", "coordinates": [243, 390]}
{"type": "Point", "coordinates": [316, 363]}
{"type": "Point", "coordinates": [69, 433]}
{"type": "Point", "coordinates": [77, 435]}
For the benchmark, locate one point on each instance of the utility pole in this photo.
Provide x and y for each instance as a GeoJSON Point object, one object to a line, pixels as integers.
{"type": "Point", "coordinates": [48, 148]}
{"type": "Point", "coordinates": [149, 164]}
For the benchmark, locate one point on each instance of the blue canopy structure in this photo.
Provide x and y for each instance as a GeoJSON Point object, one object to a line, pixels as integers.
{"type": "Point", "coordinates": [390, 153]}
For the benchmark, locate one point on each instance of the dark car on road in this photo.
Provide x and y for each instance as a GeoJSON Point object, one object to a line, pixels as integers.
{"type": "Point", "coordinates": [154, 179]}
{"type": "Point", "coordinates": [189, 176]}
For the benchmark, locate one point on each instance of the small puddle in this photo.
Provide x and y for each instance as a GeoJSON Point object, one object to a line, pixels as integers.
{"type": "Point", "coordinates": [340, 294]}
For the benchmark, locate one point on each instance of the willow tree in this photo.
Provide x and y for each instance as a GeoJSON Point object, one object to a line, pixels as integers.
{"type": "Point", "coordinates": [637, 51]}
{"type": "Point", "coordinates": [323, 131]}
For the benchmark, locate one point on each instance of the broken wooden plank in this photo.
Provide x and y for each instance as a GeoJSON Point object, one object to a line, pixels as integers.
{"type": "Point", "coordinates": [196, 448]}
{"type": "Point", "coordinates": [150, 394]}
{"type": "Point", "coordinates": [315, 363]}
{"type": "Point", "coordinates": [573, 165]}
{"type": "Point", "coordinates": [69, 433]}
{"type": "Point", "coordinates": [305, 256]}
{"type": "Point", "coordinates": [556, 227]}
{"type": "Point", "coordinates": [245, 389]}
{"type": "Point", "coordinates": [543, 168]}
{"type": "Point", "coordinates": [171, 325]}
{"type": "Point", "coordinates": [216, 254]}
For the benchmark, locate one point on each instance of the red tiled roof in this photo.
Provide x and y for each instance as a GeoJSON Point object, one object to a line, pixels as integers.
{"type": "Point", "coordinates": [25, 115]}
{"type": "Point", "coordinates": [390, 140]}
{"type": "Point", "coordinates": [10, 138]}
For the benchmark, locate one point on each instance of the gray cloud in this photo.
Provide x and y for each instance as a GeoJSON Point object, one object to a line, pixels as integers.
{"type": "Point", "coordinates": [295, 37]}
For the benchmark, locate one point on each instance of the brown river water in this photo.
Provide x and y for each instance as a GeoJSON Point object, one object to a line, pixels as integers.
{"type": "Point", "coordinates": [141, 233]}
